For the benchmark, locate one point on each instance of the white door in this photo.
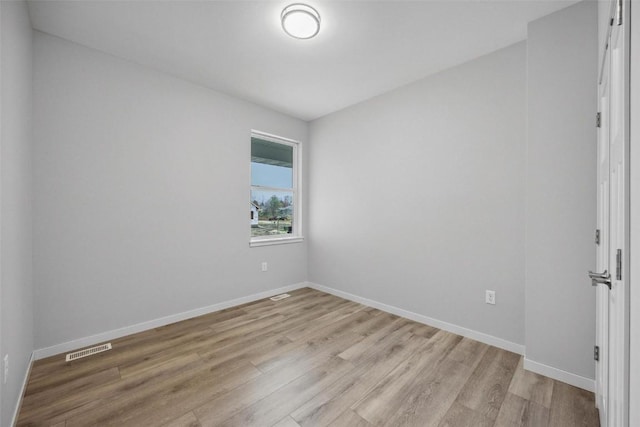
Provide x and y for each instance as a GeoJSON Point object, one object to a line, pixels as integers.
{"type": "Point", "coordinates": [613, 203]}
{"type": "Point", "coordinates": [619, 242]}
{"type": "Point", "coordinates": [602, 258]}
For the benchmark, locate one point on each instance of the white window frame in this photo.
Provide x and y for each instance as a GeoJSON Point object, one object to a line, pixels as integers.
{"type": "Point", "coordinates": [296, 233]}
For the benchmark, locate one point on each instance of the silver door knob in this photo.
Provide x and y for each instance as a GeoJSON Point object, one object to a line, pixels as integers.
{"type": "Point", "coordinates": [604, 278]}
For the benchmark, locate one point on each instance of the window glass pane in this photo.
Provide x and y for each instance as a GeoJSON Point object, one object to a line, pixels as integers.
{"type": "Point", "coordinates": [271, 176]}
{"type": "Point", "coordinates": [275, 212]}
{"type": "Point", "coordinates": [271, 164]}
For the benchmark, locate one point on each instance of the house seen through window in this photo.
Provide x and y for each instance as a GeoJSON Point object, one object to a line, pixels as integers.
{"type": "Point", "coordinates": [273, 188]}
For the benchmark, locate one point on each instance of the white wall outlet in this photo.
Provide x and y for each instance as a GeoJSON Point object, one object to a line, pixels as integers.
{"type": "Point", "coordinates": [490, 297]}
{"type": "Point", "coordinates": [265, 267]}
{"type": "Point", "coordinates": [5, 363]}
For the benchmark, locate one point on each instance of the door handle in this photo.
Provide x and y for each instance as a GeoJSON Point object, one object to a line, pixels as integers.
{"type": "Point", "coordinates": [604, 278]}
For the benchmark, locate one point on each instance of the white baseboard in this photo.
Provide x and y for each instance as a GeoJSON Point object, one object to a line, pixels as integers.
{"type": "Point", "coordinates": [449, 327]}
{"type": "Point", "coordinates": [560, 375]}
{"type": "Point", "coordinates": [156, 323]}
{"type": "Point", "coordinates": [16, 411]}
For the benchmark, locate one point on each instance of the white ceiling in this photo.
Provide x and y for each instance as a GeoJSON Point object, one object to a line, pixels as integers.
{"type": "Point", "coordinates": [364, 48]}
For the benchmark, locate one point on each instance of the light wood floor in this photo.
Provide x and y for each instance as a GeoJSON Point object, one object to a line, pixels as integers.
{"type": "Point", "coordinates": [310, 360]}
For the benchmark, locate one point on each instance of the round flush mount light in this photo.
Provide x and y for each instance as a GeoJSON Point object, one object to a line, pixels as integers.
{"type": "Point", "coordinates": [300, 21]}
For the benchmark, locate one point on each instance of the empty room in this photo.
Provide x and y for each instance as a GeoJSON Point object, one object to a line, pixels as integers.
{"type": "Point", "coordinates": [319, 213]}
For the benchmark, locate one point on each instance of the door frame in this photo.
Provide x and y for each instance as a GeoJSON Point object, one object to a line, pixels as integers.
{"type": "Point", "coordinates": [634, 217]}
{"type": "Point", "coordinates": [624, 372]}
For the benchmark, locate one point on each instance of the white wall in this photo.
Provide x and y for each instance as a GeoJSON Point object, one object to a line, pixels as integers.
{"type": "Point", "coordinates": [141, 190]}
{"type": "Point", "coordinates": [418, 196]}
{"type": "Point", "coordinates": [561, 189]}
{"type": "Point", "coordinates": [16, 289]}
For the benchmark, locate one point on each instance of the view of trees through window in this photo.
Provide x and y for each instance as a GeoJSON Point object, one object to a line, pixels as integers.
{"type": "Point", "coordinates": [274, 213]}
{"type": "Point", "coordinates": [272, 190]}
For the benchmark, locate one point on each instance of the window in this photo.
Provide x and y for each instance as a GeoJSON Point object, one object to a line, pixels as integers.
{"type": "Point", "coordinates": [274, 203]}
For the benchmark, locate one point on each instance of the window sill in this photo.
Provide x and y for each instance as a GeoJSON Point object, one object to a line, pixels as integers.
{"type": "Point", "coordinates": [275, 241]}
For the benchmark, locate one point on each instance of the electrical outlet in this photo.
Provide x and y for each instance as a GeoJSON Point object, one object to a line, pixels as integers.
{"type": "Point", "coordinates": [5, 363]}
{"type": "Point", "coordinates": [490, 297]}
{"type": "Point", "coordinates": [264, 266]}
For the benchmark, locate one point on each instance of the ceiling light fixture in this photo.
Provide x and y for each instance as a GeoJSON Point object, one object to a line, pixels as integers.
{"type": "Point", "coordinates": [300, 21]}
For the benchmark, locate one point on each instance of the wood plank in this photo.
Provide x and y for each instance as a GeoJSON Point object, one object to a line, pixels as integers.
{"type": "Point", "coordinates": [252, 325]}
{"type": "Point", "coordinates": [489, 383]}
{"type": "Point", "coordinates": [516, 411]}
{"type": "Point", "coordinates": [531, 386]}
{"type": "Point", "coordinates": [459, 415]}
{"type": "Point", "coordinates": [286, 422]}
{"type": "Point", "coordinates": [245, 350]}
{"type": "Point", "coordinates": [468, 352]}
{"type": "Point", "coordinates": [388, 401]}
{"type": "Point", "coordinates": [373, 338]}
{"type": "Point", "coordinates": [572, 406]}
{"type": "Point", "coordinates": [349, 419]}
{"type": "Point", "coordinates": [253, 342]}
{"type": "Point", "coordinates": [324, 321]}
{"type": "Point", "coordinates": [380, 321]}
{"type": "Point", "coordinates": [287, 307]}
{"type": "Point", "coordinates": [72, 404]}
{"type": "Point", "coordinates": [429, 396]}
{"type": "Point", "coordinates": [240, 321]}
{"type": "Point", "coordinates": [372, 367]}
{"type": "Point", "coordinates": [357, 322]}
{"type": "Point", "coordinates": [53, 420]}
{"type": "Point", "coordinates": [315, 344]}
{"type": "Point", "coordinates": [286, 399]}
{"type": "Point", "coordinates": [82, 385]}
{"type": "Point", "coordinates": [187, 420]}
{"type": "Point", "coordinates": [200, 321]}
{"type": "Point", "coordinates": [296, 304]}
{"type": "Point", "coordinates": [159, 405]}
{"type": "Point", "coordinates": [425, 331]}
{"type": "Point", "coordinates": [426, 398]}
{"type": "Point", "coordinates": [225, 406]}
